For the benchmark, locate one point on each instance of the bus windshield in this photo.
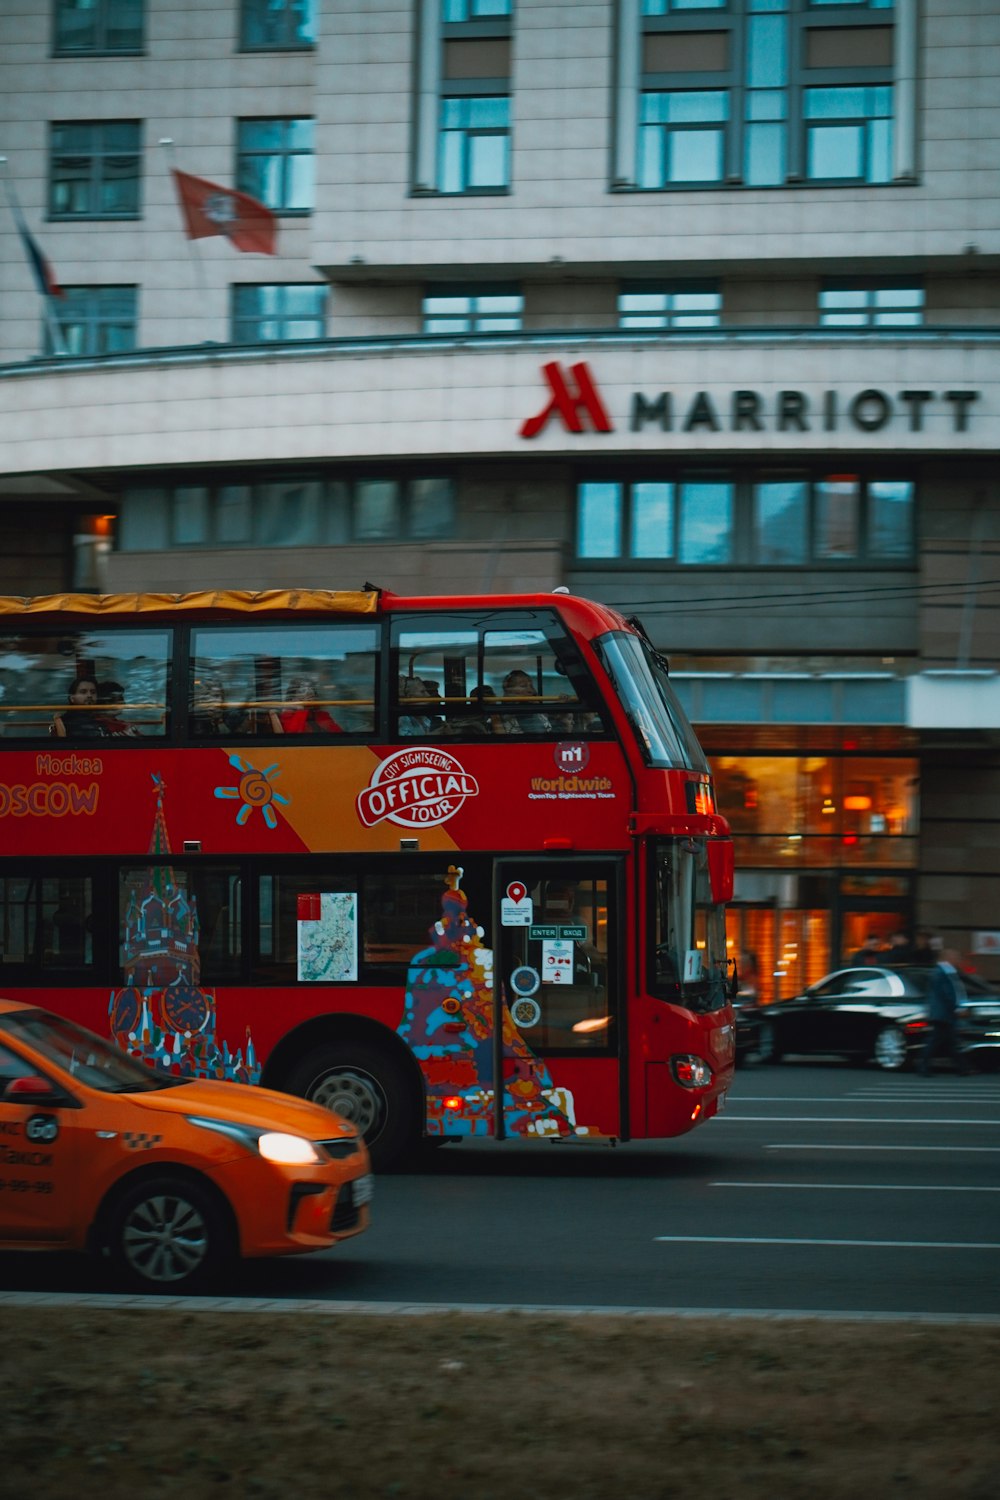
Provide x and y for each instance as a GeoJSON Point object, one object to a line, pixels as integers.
{"type": "Point", "coordinates": [689, 929]}
{"type": "Point", "coordinates": [654, 710]}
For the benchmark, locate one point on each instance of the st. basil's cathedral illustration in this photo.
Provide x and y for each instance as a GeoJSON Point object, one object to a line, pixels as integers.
{"type": "Point", "coordinates": [163, 1016]}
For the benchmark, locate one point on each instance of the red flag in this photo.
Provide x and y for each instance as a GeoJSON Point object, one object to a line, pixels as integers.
{"type": "Point", "coordinates": [209, 209]}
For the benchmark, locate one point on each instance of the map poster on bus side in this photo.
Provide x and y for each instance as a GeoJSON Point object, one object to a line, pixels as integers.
{"type": "Point", "coordinates": [328, 937]}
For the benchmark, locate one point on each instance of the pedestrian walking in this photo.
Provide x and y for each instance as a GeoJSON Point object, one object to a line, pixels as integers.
{"type": "Point", "coordinates": [944, 1004]}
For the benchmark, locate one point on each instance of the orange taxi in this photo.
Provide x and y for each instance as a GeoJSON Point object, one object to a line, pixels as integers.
{"type": "Point", "coordinates": [170, 1178]}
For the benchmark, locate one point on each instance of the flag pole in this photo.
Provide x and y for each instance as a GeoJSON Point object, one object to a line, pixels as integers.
{"type": "Point", "coordinates": [51, 321]}
{"type": "Point", "coordinates": [201, 283]}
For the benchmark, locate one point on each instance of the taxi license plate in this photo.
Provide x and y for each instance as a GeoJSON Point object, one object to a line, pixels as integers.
{"type": "Point", "coordinates": [362, 1190]}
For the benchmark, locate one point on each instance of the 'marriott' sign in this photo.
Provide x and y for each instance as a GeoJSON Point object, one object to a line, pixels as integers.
{"type": "Point", "coordinates": [574, 398]}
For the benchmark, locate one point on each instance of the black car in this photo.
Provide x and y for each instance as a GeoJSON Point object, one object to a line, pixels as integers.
{"type": "Point", "coordinates": [874, 1013]}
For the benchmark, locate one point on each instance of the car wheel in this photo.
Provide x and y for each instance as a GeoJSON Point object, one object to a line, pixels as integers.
{"type": "Point", "coordinates": [890, 1049]}
{"type": "Point", "coordinates": [768, 1046]}
{"type": "Point", "coordinates": [168, 1234]}
{"type": "Point", "coordinates": [369, 1087]}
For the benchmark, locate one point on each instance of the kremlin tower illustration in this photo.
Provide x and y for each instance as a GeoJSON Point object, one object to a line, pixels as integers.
{"type": "Point", "coordinates": [448, 1022]}
{"type": "Point", "coordinates": [163, 1015]}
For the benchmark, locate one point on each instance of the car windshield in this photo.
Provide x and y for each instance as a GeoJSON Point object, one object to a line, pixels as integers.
{"type": "Point", "coordinates": [95, 1062]}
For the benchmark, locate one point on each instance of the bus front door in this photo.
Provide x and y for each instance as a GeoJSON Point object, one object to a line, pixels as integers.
{"type": "Point", "coordinates": [558, 989]}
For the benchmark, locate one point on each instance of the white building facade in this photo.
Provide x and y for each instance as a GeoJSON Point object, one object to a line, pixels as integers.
{"type": "Point", "coordinates": [690, 305]}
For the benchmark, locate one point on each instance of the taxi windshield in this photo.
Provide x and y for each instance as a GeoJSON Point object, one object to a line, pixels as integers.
{"type": "Point", "coordinates": [95, 1062]}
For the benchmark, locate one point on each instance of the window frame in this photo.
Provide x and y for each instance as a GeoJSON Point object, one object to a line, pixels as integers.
{"type": "Point", "coordinates": [242, 290]}
{"type": "Point", "coordinates": [93, 317]}
{"type": "Point", "coordinates": [333, 502]}
{"type": "Point", "coordinates": [469, 132]}
{"type": "Point", "coordinates": [104, 22]}
{"type": "Point", "coordinates": [621, 490]}
{"type": "Point", "coordinates": [254, 12]}
{"type": "Point", "coordinates": [870, 314]}
{"type": "Point", "coordinates": [285, 155]}
{"type": "Point", "coordinates": [475, 317]}
{"type": "Point", "coordinates": [671, 316]}
{"type": "Point", "coordinates": [752, 103]}
{"type": "Point", "coordinates": [95, 156]}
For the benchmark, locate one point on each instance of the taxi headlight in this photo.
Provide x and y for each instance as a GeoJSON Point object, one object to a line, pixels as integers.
{"type": "Point", "coordinates": [273, 1145]}
{"type": "Point", "coordinates": [289, 1150]}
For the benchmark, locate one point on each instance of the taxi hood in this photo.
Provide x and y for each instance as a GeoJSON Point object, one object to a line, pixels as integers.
{"type": "Point", "coordinates": [244, 1104]}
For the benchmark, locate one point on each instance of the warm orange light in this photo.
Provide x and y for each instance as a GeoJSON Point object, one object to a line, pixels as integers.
{"type": "Point", "coordinates": [453, 1101]}
{"type": "Point", "coordinates": [593, 1023]}
{"type": "Point", "coordinates": [829, 806]}
{"type": "Point", "coordinates": [857, 804]}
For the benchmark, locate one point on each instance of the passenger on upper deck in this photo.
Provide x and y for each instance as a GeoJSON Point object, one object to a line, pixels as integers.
{"type": "Point", "coordinates": [211, 714]}
{"type": "Point", "coordinates": [303, 714]}
{"type": "Point", "coordinates": [413, 691]}
{"type": "Point", "coordinates": [517, 684]}
{"type": "Point", "coordinates": [110, 695]}
{"type": "Point", "coordinates": [80, 722]}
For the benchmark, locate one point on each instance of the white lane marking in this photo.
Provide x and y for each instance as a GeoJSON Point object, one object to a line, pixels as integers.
{"type": "Point", "coordinates": [860, 1187]}
{"type": "Point", "coordinates": [731, 1116]}
{"type": "Point", "coordinates": [827, 1146]}
{"type": "Point", "coordinates": [858, 1097]}
{"type": "Point", "coordinates": [721, 1239]}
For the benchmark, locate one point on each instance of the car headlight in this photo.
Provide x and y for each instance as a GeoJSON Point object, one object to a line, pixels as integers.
{"type": "Point", "coordinates": [272, 1145]}
{"type": "Point", "coordinates": [289, 1150]}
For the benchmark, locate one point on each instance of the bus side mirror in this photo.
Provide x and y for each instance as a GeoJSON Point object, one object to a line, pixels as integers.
{"type": "Point", "coordinates": [721, 870]}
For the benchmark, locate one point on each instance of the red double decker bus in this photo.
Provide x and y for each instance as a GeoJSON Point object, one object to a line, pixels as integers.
{"type": "Point", "coordinates": [451, 866]}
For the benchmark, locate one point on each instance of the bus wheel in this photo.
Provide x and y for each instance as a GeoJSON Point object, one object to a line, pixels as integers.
{"type": "Point", "coordinates": [168, 1234]}
{"type": "Point", "coordinates": [367, 1086]}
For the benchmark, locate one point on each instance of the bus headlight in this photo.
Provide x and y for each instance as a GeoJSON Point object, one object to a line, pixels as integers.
{"type": "Point", "coordinates": [691, 1072]}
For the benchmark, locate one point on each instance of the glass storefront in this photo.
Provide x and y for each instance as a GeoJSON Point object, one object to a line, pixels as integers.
{"type": "Point", "coordinates": [826, 846]}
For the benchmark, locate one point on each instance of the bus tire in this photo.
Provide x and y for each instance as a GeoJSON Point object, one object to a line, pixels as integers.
{"type": "Point", "coordinates": [168, 1233]}
{"type": "Point", "coordinates": [365, 1084]}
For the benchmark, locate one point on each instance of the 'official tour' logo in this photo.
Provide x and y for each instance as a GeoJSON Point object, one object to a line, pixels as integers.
{"type": "Point", "coordinates": [416, 788]}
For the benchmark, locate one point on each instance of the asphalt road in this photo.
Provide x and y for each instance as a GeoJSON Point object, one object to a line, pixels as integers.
{"type": "Point", "coordinates": [822, 1189]}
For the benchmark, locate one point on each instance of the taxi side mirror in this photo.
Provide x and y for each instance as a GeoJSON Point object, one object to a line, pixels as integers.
{"type": "Point", "coordinates": [31, 1089]}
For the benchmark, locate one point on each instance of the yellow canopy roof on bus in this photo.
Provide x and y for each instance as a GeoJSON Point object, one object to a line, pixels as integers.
{"type": "Point", "coordinates": [237, 601]}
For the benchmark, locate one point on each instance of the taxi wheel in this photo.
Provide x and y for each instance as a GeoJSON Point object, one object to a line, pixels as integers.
{"type": "Point", "coordinates": [367, 1086]}
{"type": "Point", "coordinates": [168, 1234]}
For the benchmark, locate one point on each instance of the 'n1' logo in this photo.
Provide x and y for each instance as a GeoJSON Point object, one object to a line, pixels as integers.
{"type": "Point", "coordinates": [569, 404]}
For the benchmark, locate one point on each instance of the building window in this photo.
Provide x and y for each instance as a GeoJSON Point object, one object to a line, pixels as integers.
{"type": "Point", "coordinates": [665, 7]}
{"type": "Point", "coordinates": [848, 304]}
{"type": "Point", "coordinates": [275, 163]}
{"type": "Point", "coordinates": [278, 25]}
{"type": "Point", "coordinates": [684, 305]}
{"type": "Point", "coordinates": [487, 309]}
{"type": "Point", "coordinates": [98, 27]}
{"type": "Point", "coordinates": [299, 510]}
{"type": "Point", "coordinates": [763, 94]}
{"type": "Point", "coordinates": [95, 320]}
{"type": "Point", "coordinates": [475, 145]}
{"type": "Point", "coordinates": [754, 520]}
{"type": "Point", "coordinates": [474, 10]}
{"type": "Point", "coordinates": [95, 170]}
{"type": "Point", "coordinates": [282, 311]}
{"type": "Point", "coordinates": [394, 510]}
{"type": "Point", "coordinates": [682, 137]}
{"type": "Point", "coordinates": [848, 134]}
